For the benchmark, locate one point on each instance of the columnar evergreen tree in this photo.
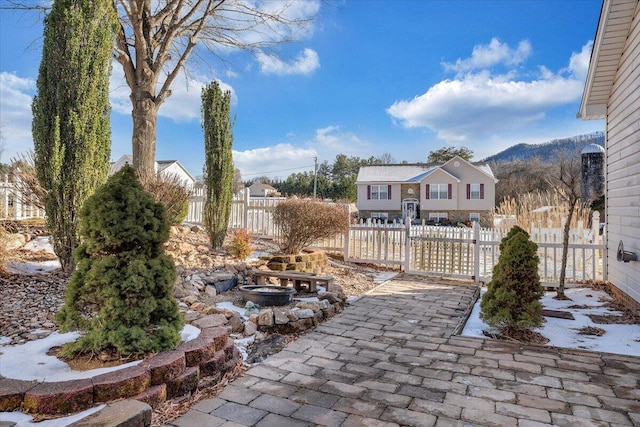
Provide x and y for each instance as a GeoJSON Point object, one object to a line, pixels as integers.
{"type": "Point", "coordinates": [218, 167]}
{"type": "Point", "coordinates": [71, 130]}
{"type": "Point", "coordinates": [512, 301]}
{"type": "Point", "coordinates": [121, 294]}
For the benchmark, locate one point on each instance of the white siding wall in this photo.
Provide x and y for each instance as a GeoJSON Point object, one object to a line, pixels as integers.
{"type": "Point", "coordinates": [379, 205]}
{"type": "Point", "coordinates": [175, 169]}
{"type": "Point", "coordinates": [623, 166]}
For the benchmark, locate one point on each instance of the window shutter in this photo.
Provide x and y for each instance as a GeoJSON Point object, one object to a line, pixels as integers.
{"type": "Point", "coordinates": [428, 195]}
{"type": "Point", "coordinates": [368, 192]}
{"type": "Point", "coordinates": [468, 191]}
{"type": "Point", "coordinates": [482, 191]}
{"type": "Point", "coordinates": [449, 191]}
{"type": "Point", "coordinates": [389, 191]}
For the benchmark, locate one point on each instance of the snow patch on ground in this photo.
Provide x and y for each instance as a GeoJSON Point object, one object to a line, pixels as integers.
{"type": "Point", "coordinates": [28, 268]}
{"type": "Point", "coordinates": [618, 338]}
{"type": "Point", "coordinates": [30, 361]}
{"type": "Point", "coordinates": [24, 420]}
{"type": "Point", "coordinates": [230, 306]}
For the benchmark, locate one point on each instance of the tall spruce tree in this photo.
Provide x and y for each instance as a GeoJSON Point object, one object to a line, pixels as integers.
{"type": "Point", "coordinates": [217, 125]}
{"type": "Point", "coordinates": [71, 128]}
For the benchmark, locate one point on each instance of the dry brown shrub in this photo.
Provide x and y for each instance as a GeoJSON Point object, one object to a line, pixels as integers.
{"type": "Point", "coordinates": [3, 246]}
{"type": "Point", "coordinates": [22, 173]}
{"type": "Point", "coordinates": [169, 190]}
{"type": "Point", "coordinates": [302, 222]}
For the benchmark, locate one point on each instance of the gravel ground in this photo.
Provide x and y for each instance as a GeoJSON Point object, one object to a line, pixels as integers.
{"type": "Point", "coordinates": [28, 303]}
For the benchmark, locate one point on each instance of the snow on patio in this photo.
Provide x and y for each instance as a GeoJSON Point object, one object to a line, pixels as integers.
{"type": "Point", "coordinates": [618, 338]}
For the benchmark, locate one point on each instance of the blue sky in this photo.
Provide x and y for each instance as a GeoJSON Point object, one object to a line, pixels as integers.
{"type": "Point", "coordinates": [367, 77]}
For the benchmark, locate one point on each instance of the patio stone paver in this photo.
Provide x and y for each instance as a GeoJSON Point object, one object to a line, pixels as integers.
{"type": "Point", "coordinates": [391, 358]}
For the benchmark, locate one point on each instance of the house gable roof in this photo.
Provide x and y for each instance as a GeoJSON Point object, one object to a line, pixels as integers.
{"type": "Point", "coordinates": [484, 168]}
{"type": "Point", "coordinates": [262, 186]}
{"type": "Point", "coordinates": [614, 25]}
{"type": "Point", "coordinates": [436, 171]}
{"type": "Point", "coordinates": [164, 164]}
{"type": "Point", "coordinates": [390, 173]}
{"type": "Point", "coordinates": [412, 173]}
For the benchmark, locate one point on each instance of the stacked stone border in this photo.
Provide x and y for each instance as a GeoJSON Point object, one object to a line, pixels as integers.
{"type": "Point", "coordinates": [166, 375]}
{"type": "Point", "coordinates": [305, 315]}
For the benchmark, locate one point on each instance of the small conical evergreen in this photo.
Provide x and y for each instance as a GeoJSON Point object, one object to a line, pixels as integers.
{"type": "Point", "coordinates": [121, 294]}
{"type": "Point", "coordinates": [512, 300]}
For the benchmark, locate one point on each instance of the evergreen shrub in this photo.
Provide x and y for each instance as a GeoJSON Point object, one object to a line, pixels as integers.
{"type": "Point", "coordinates": [512, 300]}
{"type": "Point", "coordinates": [121, 293]}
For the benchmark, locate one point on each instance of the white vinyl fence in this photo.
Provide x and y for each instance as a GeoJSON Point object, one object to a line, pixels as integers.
{"type": "Point", "coordinates": [14, 205]}
{"type": "Point", "coordinates": [250, 213]}
{"type": "Point", "coordinates": [460, 252]}
{"type": "Point", "coordinates": [469, 253]}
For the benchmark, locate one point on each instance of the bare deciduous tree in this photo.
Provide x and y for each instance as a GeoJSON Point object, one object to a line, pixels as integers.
{"type": "Point", "coordinates": [157, 38]}
{"type": "Point", "coordinates": [567, 182]}
{"type": "Point", "coordinates": [25, 180]}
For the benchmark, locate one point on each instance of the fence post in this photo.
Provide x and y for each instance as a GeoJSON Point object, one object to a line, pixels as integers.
{"type": "Point", "coordinates": [245, 211]}
{"type": "Point", "coordinates": [407, 247]}
{"type": "Point", "coordinates": [476, 252]}
{"type": "Point", "coordinates": [345, 250]}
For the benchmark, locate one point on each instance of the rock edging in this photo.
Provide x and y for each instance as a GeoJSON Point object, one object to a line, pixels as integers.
{"type": "Point", "coordinates": [304, 315]}
{"type": "Point", "coordinates": [163, 376]}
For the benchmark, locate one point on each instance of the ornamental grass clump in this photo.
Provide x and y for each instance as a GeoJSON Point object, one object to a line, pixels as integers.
{"type": "Point", "coordinates": [121, 294]}
{"type": "Point", "coordinates": [240, 245]}
{"type": "Point", "coordinates": [303, 222]}
{"type": "Point", "coordinates": [512, 301]}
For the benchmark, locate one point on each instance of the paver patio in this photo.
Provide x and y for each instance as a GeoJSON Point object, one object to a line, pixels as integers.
{"type": "Point", "coordinates": [391, 358]}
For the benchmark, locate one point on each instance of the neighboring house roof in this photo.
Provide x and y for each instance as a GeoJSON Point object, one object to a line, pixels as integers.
{"type": "Point", "coordinates": [411, 173]}
{"type": "Point", "coordinates": [164, 164]}
{"type": "Point", "coordinates": [263, 186]}
{"type": "Point", "coordinates": [160, 165]}
{"type": "Point", "coordinates": [616, 17]}
{"type": "Point", "coordinates": [484, 168]}
{"type": "Point", "coordinates": [391, 173]}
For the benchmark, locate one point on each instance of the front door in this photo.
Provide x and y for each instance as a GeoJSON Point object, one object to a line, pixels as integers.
{"type": "Point", "coordinates": [410, 209]}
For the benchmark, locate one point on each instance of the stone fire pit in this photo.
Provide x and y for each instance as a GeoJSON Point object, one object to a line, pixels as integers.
{"type": "Point", "coordinates": [267, 295]}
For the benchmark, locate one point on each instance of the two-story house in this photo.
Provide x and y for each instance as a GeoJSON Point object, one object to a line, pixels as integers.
{"type": "Point", "coordinates": [456, 191]}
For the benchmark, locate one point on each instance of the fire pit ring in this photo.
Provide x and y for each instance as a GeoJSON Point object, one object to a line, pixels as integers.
{"type": "Point", "coordinates": [265, 295]}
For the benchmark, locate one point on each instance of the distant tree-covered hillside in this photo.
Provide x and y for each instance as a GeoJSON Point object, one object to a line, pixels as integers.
{"type": "Point", "coordinates": [548, 151]}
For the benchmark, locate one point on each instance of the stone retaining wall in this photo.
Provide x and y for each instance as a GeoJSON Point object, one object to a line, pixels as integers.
{"type": "Point", "coordinates": [311, 261]}
{"type": "Point", "coordinates": [303, 316]}
{"type": "Point", "coordinates": [163, 376]}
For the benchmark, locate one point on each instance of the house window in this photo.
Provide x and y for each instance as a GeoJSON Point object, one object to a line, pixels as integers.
{"type": "Point", "coordinates": [379, 192]}
{"type": "Point", "coordinates": [379, 216]}
{"type": "Point", "coordinates": [475, 191]}
{"type": "Point", "coordinates": [438, 191]}
{"type": "Point", "coordinates": [438, 216]}
{"type": "Point", "coordinates": [474, 217]}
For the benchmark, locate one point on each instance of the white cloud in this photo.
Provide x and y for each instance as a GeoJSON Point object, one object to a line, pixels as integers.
{"type": "Point", "coordinates": [16, 95]}
{"type": "Point", "coordinates": [284, 159]}
{"type": "Point", "coordinates": [579, 61]}
{"type": "Point", "coordinates": [494, 53]}
{"type": "Point", "coordinates": [477, 105]}
{"type": "Point", "coordinates": [330, 137]}
{"type": "Point", "coordinates": [280, 160]}
{"type": "Point", "coordinates": [305, 63]}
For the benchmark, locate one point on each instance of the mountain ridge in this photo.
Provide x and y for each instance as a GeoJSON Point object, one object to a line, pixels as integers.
{"type": "Point", "coordinates": [554, 149]}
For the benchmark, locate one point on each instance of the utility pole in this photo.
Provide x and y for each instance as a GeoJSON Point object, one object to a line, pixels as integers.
{"type": "Point", "coordinates": [315, 176]}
